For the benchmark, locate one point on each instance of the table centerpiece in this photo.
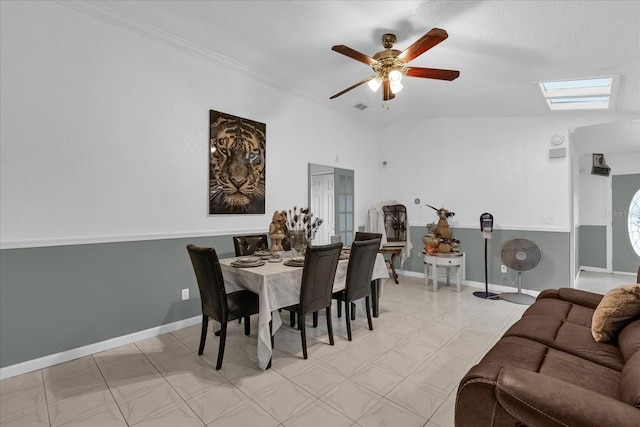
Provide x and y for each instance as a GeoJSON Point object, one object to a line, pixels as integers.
{"type": "Point", "coordinates": [301, 229]}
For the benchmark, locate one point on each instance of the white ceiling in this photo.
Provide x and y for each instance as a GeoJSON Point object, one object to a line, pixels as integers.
{"type": "Point", "coordinates": [500, 47]}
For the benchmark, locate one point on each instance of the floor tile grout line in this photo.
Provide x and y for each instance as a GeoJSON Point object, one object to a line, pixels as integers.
{"type": "Point", "coordinates": [109, 388]}
{"type": "Point", "coordinates": [46, 397]}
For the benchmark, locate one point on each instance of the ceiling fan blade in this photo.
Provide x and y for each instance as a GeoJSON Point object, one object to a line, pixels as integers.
{"type": "Point", "coordinates": [354, 54]}
{"type": "Point", "coordinates": [353, 86]}
{"type": "Point", "coordinates": [386, 91]}
{"type": "Point", "coordinates": [423, 44]}
{"type": "Point", "coordinates": [432, 73]}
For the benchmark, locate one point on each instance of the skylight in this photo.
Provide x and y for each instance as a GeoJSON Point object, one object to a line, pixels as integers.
{"type": "Point", "coordinates": [582, 94]}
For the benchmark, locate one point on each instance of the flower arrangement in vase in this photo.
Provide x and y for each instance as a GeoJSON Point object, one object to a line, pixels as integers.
{"type": "Point", "coordinates": [301, 227]}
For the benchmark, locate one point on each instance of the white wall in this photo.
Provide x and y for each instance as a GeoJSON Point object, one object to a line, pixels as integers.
{"type": "Point", "coordinates": [595, 191]}
{"type": "Point", "coordinates": [105, 134]}
{"type": "Point", "coordinates": [475, 165]}
{"type": "Point", "coordinates": [104, 137]}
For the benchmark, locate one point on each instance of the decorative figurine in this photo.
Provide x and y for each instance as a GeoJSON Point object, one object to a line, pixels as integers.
{"type": "Point", "coordinates": [439, 238]}
{"type": "Point", "coordinates": [443, 224]}
{"type": "Point", "coordinates": [278, 230]}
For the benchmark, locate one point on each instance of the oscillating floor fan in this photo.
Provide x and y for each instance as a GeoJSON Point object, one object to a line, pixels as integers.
{"type": "Point", "coordinates": [520, 255]}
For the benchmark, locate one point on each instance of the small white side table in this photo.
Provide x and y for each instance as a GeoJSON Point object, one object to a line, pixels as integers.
{"type": "Point", "coordinates": [448, 260]}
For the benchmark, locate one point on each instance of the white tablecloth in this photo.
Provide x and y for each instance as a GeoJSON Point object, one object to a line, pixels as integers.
{"type": "Point", "coordinates": [279, 286]}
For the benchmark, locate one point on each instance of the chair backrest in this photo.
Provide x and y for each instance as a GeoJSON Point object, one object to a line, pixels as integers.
{"type": "Point", "coordinates": [318, 274]}
{"type": "Point", "coordinates": [362, 235]}
{"type": "Point", "coordinates": [286, 245]}
{"type": "Point", "coordinates": [248, 245]}
{"type": "Point", "coordinates": [210, 282]}
{"type": "Point", "coordinates": [360, 268]}
{"type": "Point", "coordinates": [395, 222]}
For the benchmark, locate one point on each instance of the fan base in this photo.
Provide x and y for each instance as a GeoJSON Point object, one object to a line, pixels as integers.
{"type": "Point", "coordinates": [518, 298]}
{"type": "Point", "coordinates": [487, 295]}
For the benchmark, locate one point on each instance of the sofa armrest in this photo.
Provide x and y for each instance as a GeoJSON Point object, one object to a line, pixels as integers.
{"type": "Point", "coordinates": [540, 400]}
{"type": "Point", "coordinates": [576, 296]}
{"type": "Point", "coordinates": [476, 397]}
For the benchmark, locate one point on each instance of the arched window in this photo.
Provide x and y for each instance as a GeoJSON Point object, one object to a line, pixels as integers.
{"type": "Point", "coordinates": [634, 222]}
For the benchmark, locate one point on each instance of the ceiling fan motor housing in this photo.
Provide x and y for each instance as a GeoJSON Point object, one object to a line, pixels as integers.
{"type": "Point", "coordinates": [388, 40]}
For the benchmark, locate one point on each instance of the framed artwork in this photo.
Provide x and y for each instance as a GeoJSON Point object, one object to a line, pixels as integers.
{"type": "Point", "coordinates": [237, 155]}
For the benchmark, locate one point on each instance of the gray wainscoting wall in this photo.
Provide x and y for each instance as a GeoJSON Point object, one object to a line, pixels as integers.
{"type": "Point", "coordinates": [592, 240]}
{"type": "Point", "coordinates": [552, 272]}
{"type": "Point", "coordinates": [54, 299]}
{"type": "Point", "coordinates": [623, 189]}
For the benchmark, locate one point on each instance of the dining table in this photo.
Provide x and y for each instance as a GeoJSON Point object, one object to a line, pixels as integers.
{"type": "Point", "coordinates": [278, 286]}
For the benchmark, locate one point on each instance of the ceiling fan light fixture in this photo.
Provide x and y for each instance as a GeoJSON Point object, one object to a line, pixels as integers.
{"type": "Point", "coordinates": [390, 65]}
{"type": "Point", "coordinates": [395, 76]}
{"type": "Point", "coordinates": [374, 84]}
{"type": "Point", "coordinates": [395, 87]}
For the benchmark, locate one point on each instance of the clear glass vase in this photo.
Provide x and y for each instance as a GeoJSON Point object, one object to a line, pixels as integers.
{"type": "Point", "coordinates": [298, 241]}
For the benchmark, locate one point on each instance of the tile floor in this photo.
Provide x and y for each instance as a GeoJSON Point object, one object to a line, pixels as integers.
{"type": "Point", "coordinates": [602, 282]}
{"type": "Point", "coordinates": [403, 373]}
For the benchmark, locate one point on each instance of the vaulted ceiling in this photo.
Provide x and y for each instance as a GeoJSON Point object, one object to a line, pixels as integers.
{"type": "Point", "coordinates": [502, 48]}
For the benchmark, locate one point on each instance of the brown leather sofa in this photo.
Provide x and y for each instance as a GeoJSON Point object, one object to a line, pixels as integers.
{"type": "Point", "coordinates": [547, 370]}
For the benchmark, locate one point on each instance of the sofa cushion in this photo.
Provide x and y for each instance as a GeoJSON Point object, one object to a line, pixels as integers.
{"type": "Point", "coordinates": [576, 296]}
{"type": "Point", "coordinates": [581, 372]}
{"type": "Point", "coordinates": [617, 308]}
{"type": "Point", "coordinates": [536, 327]}
{"type": "Point", "coordinates": [630, 381]}
{"type": "Point", "coordinates": [629, 339]}
{"type": "Point", "coordinates": [568, 337]}
{"type": "Point", "coordinates": [580, 297]}
{"type": "Point", "coordinates": [578, 341]}
{"type": "Point", "coordinates": [560, 309]}
{"type": "Point", "coordinates": [516, 352]}
{"type": "Point", "coordinates": [556, 308]}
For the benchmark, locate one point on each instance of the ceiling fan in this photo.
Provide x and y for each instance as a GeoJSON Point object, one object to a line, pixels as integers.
{"type": "Point", "coordinates": [390, 65]}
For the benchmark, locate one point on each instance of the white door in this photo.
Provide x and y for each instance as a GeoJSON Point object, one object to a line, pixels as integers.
{"type": "Point", "coordinates": [322, 206]}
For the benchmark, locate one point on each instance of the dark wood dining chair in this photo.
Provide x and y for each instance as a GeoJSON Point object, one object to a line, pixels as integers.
{"type": "Point", "coordinates": [358, 282]}
{"type": "Point", "coordinates": [216, 303]}
{"type": "Point", "coordinates": [318, 274]}
{"type": "Point", "coordinates": [363, 235]}
{"type": "Point", "coordinates": [360, 236]}
{"type": "Point", "coordinates": [248, 245]}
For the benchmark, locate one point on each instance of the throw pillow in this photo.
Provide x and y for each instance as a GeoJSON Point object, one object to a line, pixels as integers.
{"type": "Point", "coordinates": [617, 308]}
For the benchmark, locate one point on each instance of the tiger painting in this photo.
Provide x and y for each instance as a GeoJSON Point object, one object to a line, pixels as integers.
{"type": "Point", "coordinates": [236, 165]}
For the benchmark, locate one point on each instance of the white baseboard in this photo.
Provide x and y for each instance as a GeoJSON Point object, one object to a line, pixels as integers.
{"type": "Point", "coordinates": [592, 269]}
{"type": "Point", "coordinates": [605, 271]}
{"type": "Point", "coordinates": [471, 283]}
{"type": "Point", "coordinates": [75, 353]}
{"type": "Point", "coordinates": [625, 273]}
{"type": "Point", "coordinates": [500, 288]}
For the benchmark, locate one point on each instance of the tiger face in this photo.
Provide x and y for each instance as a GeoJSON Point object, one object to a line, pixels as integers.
{"type": "Point", "coordinates": [237, 167]}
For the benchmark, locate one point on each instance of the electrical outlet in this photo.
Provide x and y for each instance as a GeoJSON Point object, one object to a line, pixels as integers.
{"type": "Point", "coordinates": [503, 269]}
{"type": "Point", "coordinates": [185, 294]}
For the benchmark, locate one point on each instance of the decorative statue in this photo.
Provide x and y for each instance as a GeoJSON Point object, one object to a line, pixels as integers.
{"type": "Point", "coordinates": [443, 225]}
{"type": "Point", "coordinates": [439, 237]}
{"type": "Point", "coordinates": [278, 230]}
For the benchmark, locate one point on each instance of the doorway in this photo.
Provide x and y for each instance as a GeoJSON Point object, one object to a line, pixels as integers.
{"type": "Point", "coordinates": [595, 210]}
{"type": "Point", "coordinates": [623, 190]}
{"type": "Point", "coordinates": [331, 198]}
